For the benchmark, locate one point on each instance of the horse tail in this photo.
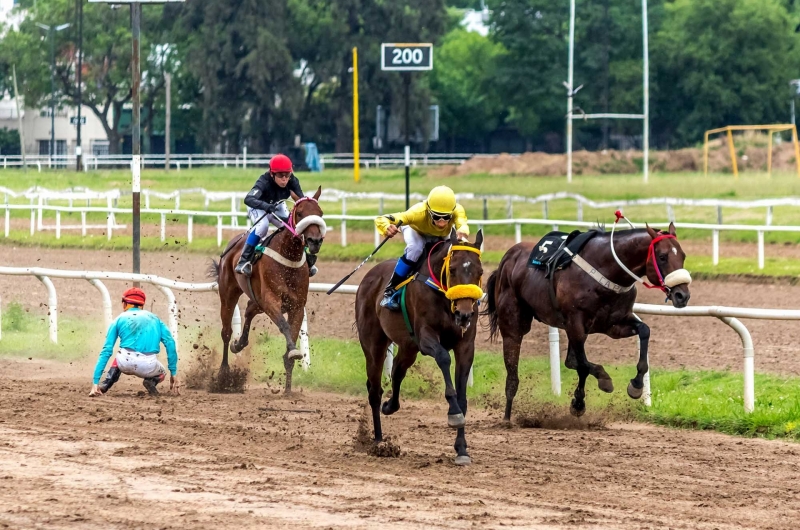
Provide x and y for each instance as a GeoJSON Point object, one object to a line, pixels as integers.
{"type": "Point", "coordinates": [491, 302]}
{"type": "Point", "coordinates": [213, 270]}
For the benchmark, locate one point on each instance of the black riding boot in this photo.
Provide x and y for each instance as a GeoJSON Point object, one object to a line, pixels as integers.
{"type": "Point", "coordinates": [389, 301]}
{"type": "Point", "coordinates": [111, 377]}
{"type": "Point", "coordinates": [245, 266]}
{"type": "Point", "coordinates": [150, 384]}
{"type": "Point", "coordinates": [311, 259]}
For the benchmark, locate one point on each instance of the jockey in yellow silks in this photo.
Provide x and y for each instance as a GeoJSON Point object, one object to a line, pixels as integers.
{"type": "Point", "coordinates": [428, 221]}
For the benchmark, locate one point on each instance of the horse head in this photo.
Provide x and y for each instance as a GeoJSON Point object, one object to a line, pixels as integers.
{"type": "Point", "coordinates": [665, 266]}
{"type": "Point", "coordinates": [307, 220]}
{"type": "Point", "coordinates": [463, 277]}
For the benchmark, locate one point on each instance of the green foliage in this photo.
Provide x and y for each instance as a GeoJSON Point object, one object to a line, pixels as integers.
{"type": "Point", "coordinates": [15, 318]}
{"type": "Point", "coordinates": [9, 142]}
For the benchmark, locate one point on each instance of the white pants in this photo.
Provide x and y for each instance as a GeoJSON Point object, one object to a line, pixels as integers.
{"type": "Point", "coordinates": [415, 242]}
{"type": "Point", "coordinates": [142, 365]}
{"type": "Point", "coordinates": [261, 222]}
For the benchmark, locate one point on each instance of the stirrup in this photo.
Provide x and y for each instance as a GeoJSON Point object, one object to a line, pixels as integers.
{"type": "Point", "coordinates": [312, 271]}
{"type": "Point", "coordinates": [245, 268]}
{"type": "Point", "coordinates": [390, 301]}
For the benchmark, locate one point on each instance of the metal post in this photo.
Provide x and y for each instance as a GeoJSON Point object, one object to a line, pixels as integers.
{"type": "Point", "coordinates": [407, 88]}
{"type": "Point", "coordinates": [570, 79]}
{"type": "Point", "coordinates": [356, 147]}
{"type": "Point", "coordinates": [136, 22]}
{"type": "Point", "coordinates": [555, 361]}
{"type": "Point", "coordinates": [19, 119]}
{"type": "Point", "coordinates": [168, 81]}
{"type": "Point", "coordinates": [52, 94]}
{"type": "Point", "coordinates": [646, 112]}
{"type": "Point", "coordinates": [78, 147]}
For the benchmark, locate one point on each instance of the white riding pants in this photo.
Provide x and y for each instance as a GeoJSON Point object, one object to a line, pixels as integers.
{"type": "Point", "coordinates": [261, 222]}
{"type": "Point", "coordinates": [142, 365]}
{"type": "Point", "coordinates": [415, 243]}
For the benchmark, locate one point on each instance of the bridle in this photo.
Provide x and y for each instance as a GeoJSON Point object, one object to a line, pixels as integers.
{"type": "Point", "coordinates": [454, 292]}
{"type": "Point", "coordinates": [297, 229]}
{"type": "Point", "coordinates": [665, 284]}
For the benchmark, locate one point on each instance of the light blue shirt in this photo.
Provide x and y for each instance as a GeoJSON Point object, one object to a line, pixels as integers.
{"type": "Point", "coordinates": [140, 331]}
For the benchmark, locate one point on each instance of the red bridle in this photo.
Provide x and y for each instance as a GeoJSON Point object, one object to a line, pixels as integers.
{"type": "Point", "coordinates": [290, 226]}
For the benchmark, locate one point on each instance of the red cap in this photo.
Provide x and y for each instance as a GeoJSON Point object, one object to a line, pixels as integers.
{"type": "Point", "coordinates": [280, 164]}
{"type": "Point", "coordinates": [134, 296]}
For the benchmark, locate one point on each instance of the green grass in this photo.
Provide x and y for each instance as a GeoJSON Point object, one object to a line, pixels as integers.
{"type": "Point", "coordinates": [25, 334]}
{"type": "Point", "coordinates": [682, 398]}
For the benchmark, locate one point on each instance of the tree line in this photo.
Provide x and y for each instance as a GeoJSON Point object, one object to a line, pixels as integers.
{"type": "Point", "coordinates": [261, 73]}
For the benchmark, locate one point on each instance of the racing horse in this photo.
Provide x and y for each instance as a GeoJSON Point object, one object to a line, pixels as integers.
{"type": "Point", "coordinates": [278, 284]}
{"type": "Point", "coordinates": [438, 315]}
{"type": "Point", "coordinates": [595, 294]}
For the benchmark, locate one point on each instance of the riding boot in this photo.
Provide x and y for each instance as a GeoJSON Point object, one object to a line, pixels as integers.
{"type": "Point", "coordinates": [401, 271]}
{"type": "Point", "coordinates": [111, 377]}
{"type": "Point", "coordinates": [311, 259]}
{"type": "Point", "coordinates": [150, 384]}
{"type": "Point", "coordinates": [245, 266]}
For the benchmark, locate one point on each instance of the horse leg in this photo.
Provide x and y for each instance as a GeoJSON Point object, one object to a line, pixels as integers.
{"type": "Point", "coordinates": [244, 339]}
{"type": "Point", "coordinates": [633, 326]}
{"type": "Point", "coordinates": [271, 305]}
{"type": "Point", "coordinates": [465, 354]}
{"type": "Point", "coordinates": [578, 405]}
{"type": "Point", "coordinates": [513, 326]}
{"type": "Point", "coordinates": [226, 308]}
{"type": "Point", "coordinates": [375, 353]}
{"type": "Point", "coordinates": [292, 353]}
{"type": "Point", "coordinates": [429, 345]}
{"type": "Point", "coordinates": [405, 358]}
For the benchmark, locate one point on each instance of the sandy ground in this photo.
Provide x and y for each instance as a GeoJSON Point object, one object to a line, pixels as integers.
{"type": "Point", "coordinates": [258, 460]}
{"type": "Point", "coordinates": [675, 342]}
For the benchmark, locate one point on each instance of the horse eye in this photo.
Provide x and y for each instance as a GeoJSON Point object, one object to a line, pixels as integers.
{"type": "Point", "coordinates": [663, 258]}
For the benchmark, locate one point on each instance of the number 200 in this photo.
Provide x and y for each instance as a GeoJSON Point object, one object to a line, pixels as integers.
{"type": "Point", "coordinates": [406, 56]}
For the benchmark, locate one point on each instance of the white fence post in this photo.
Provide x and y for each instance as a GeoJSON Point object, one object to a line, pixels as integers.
{"type": "Point", "coordinates": [389, 361]}
{"type": "Point", "coordinates": [219, 230]}
{"type": "Point", "coordinates": [163, 227]}
{"type": "Point", "coordinates": [236, 322]}
{"type": "Point", "coordinates": [769, 215]}
{"type": "Point", "coordinates": [8, 221]}
{"type": "Point", "coordinates": [760, 249]}
{"type": "Point", "coordinates": [647, 396]}
{"type": "Point", "coordinates": [344, 222]}
{"type": "Point", "coordinates": [83, 223]}
{"type": "Point", "coordinates": [715, 247]}
{"type": "Point", "coordinates": [109, 224]}
{"type": "Point", "coordinates": [304, 348]}
{"type": "Point", "coordinates": [555, 361]}
{"type": "Point", "coordinates": [518, 233]}
{"type": "Point", "coordinates": [172, 308]}
{"type": "Point", "coordinates": [189, 234]}
{"type": "Point", "coordinates": [52, 307]}
{"type": "Point", "coordinates": [108, 316]}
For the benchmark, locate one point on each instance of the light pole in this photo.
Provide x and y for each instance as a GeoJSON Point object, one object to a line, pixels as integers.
{"type": "Point", "coordinates": [51, 35]}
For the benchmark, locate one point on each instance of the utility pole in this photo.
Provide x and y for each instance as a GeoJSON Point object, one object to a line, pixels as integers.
{"type": "Point", "coordinates": [78, 148]}
{"type": "Point", "coordinates": [168, 82]}
{"type": "Point", "coordinates": [19, 118]}
{"type": "Point", "coordinates": [136, 25]}
{"type": "Point", "coordinates": [51, 30]}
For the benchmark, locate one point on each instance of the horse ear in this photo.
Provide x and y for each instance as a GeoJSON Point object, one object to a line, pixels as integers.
{"type": "Point", "coordinates": [479, 239]}
{"type": "Point", "coordinates": [653, 233]}
{"type": "Point", "coordinates": [671, 229]}
{"type": "Point", "coordinates": [453, 236]}
{"type": "Point", "coordinates": [294, 196]}
{"type": "Point", "coordinates": [319, 192]}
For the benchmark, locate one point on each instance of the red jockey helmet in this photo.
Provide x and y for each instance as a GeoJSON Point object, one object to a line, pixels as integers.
{"type": "Point", "coordinates": [280, 164]}
{"type": "Point", "coordinates": [134, 296]}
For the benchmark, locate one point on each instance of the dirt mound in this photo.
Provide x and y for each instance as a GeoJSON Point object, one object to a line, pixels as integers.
{"type": "Point", "coordinates": [751, 152]}
{"type": "Point", "coordinates": [364, 442]}
{"type": "Point", "coordinates": [203, 373]}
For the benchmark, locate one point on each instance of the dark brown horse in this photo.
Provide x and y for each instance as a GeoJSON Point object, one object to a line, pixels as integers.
{"type": "Point", "coordinates": [440, 323]}
{"type": "Point", "coordinates": [598, 298]}
{"type": "Point", "coordinates": [279, 283]}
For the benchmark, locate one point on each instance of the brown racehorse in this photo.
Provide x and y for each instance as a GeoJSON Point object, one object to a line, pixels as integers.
{"type": "Point", "coordinates": [279, 283]}
{"type": "Point", "coordinates": [440, 323]}
{"type": "Point", "coordinates": [516, 294]}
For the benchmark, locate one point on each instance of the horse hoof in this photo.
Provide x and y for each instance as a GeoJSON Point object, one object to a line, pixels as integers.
{"type": "Point", "coordinates": [633, 392]}
{"type": "Point", "coordinates": [462, 460]}
{"type": "Point", "coordinates": [294, 354]}
{"type": "Point", "coordinates": [606, 385]}
{"type": "Point", "coordinates": [456, 421]}
{"type": "Point", "coordinates": [388, 409]}
{"type": "Point", "coordinates": [577, 409]}
{"type": "Point", "coordinates": [236, 348]}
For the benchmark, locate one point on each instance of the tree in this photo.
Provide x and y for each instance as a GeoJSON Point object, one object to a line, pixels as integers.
{"type": "Point", "coordinates": [722, 62]}
{"type": "Point", "coordinates": [106, 58]}
{"type": "Point", "coordinates": [463, 83]}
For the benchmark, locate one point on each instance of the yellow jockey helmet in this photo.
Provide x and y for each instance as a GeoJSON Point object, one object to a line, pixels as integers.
{"type": "Point", "coordinates": [441, 200]}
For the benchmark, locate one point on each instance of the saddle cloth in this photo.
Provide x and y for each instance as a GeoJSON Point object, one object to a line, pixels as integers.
{"type": "Point", "coordinates": [549, 253]}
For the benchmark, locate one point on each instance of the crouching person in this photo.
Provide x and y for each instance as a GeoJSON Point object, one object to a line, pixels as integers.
{"type": "Point", "coordinates": [140, 334]}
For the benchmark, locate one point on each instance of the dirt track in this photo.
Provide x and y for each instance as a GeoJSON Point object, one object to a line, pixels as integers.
{"type": "Point", "coordinates": [223, 461]}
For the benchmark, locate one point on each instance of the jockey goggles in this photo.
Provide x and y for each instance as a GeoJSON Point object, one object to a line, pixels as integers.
{"type": "Point", "coordinates": [440, 216]}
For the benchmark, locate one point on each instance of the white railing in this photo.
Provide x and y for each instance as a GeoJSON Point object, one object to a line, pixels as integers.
{"type": "Point", "coordinates": [728, 315]}
{"type": "Point", "coordinates": [240, 160]}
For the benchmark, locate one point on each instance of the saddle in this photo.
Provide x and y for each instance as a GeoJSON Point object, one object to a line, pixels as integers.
{"type": "Point", "coordinates": [556, 250]}
{"type": "Point", "coordinates": [264, 243]}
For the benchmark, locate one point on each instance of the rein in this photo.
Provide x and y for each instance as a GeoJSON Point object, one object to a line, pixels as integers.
{"type": "Point", "coordinates": [454, 292]}
{"type": "Point", "coordinates": [297, 230]}
{"type": "Point", "coordinates": [672, 279]}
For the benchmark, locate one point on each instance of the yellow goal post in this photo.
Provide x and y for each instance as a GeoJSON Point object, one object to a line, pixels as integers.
{"type": "Point", "coordinates": [772, 129]}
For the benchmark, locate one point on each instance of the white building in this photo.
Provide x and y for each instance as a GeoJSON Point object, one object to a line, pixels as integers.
{"type": "Point", "coordinates": [36, 122]}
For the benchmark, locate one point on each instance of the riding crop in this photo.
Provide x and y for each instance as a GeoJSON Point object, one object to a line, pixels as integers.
{"type": "Point", "coordinates": [340, 282]}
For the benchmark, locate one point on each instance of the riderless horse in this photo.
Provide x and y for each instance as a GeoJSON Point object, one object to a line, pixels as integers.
{"type": "Point", "coordinates": [584, 291]}
{"type": "Point", "coordinates": [438, 315]}
{"type": "Point", "coordinates": [278, 284]}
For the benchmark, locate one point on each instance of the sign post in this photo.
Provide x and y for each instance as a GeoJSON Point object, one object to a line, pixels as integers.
{"type": "Point", "coordinates": [136, 152]}
{"type": "Point", "coordinates": [407, 58]}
